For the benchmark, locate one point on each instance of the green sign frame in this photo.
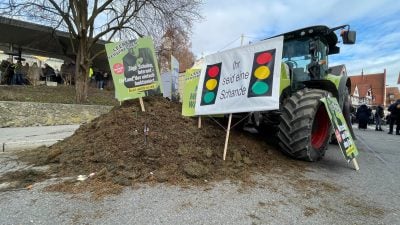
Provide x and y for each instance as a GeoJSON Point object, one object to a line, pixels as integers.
{"type": "Point", "coordinates": [134, 68]}
{"type": "Point", "coordinates": [342, 132]}
{"type": "Point", "coordinates": [192, 77]}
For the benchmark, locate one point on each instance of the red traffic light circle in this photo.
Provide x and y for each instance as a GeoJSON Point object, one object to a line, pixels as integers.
{"type": "Point", "coordinates": [213, 71]}
{"type": "Point", "coordinates": [264, 58]}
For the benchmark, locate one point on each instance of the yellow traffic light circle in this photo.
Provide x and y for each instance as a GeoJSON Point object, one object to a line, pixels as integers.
{"type": "Point", "coordinates": [211, 84]}
{"type": "Point", "coordinates": [262, 72]}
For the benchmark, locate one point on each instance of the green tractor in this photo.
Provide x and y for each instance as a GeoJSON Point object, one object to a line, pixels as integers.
{"type": "Point", "coordinates": [302, 124]}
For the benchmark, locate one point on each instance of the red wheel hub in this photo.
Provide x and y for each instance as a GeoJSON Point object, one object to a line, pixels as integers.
{"type": "Point", "coordinates": [320, 128]}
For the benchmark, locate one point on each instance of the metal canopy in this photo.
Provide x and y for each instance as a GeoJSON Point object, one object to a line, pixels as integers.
{"type": "Point", "coordinates": [29, 38]}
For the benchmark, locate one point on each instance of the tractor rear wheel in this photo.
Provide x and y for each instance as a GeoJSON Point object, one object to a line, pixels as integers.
{"type": "Point", "coordinates": [305, 127]}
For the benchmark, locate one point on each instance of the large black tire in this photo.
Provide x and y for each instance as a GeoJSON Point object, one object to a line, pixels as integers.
{"type": "Point", "coordinates": [305, 126]}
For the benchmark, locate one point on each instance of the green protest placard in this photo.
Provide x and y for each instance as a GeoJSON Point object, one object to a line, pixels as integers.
{"type": "Point", "coordinates": [134, 67]}
{"type": "Point", "coordinates": [189, 91]}
{"type": "Point", "coordinates": [342, 132]}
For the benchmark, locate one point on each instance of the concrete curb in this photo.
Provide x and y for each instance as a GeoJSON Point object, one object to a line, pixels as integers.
{"type": "Point", "coordinates": [24, 145]}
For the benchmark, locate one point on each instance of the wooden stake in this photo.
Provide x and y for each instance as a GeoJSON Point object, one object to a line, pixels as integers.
{"type": "Point", "coordinates": [227, 135]}
{"type": "Point", "coordinates": [142, 104]}
{"type": "Point", "coordinates": [355, 164]}
{"type": "Point", "coordinates": [199, 123]}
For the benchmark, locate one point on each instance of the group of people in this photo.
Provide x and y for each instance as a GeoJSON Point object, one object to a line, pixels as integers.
{"type": "Point", "coordinates": [101, 78]}
{"type": "Point", "coordinates": [364, 115]}
{"type": "Point", "coordinates": [24, 74]}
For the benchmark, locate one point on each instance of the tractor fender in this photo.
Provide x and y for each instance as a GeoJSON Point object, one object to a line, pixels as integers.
{"type": "Point", "coordinates": [326, 85]}
{"type": "Point", "coordinates": [339, 86]}
{"type": "Point", "coordinates": [343, 89]}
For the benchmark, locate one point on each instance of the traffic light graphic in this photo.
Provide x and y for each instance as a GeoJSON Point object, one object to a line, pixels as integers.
{"type": "Point", "coordinates": [262, 74]}
{"type": "Point", "coordinates": [210, 84]}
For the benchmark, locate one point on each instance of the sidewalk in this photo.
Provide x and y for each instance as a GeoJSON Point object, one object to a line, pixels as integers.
{"type": "Point", "coordinates": [18, 138]}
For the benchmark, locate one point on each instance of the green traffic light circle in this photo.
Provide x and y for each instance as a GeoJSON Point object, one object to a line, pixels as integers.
{"type": "Point", "coordinates": [260, 88]}
{"type": "Point", "coordinates": [208, 97]}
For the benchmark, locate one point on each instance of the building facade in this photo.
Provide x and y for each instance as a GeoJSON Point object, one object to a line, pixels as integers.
{"type": "Point", "coordinates": [369, 89]}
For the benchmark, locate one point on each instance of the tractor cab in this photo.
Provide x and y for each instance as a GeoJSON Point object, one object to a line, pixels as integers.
{"type": "Point", "coordinates": [305, 52]}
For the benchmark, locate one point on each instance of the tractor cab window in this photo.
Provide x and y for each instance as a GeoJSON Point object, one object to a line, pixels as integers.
{"type": "Point", "coordinates": [296, 54]}
{"type": "Point", "coordinates": [323, 58]}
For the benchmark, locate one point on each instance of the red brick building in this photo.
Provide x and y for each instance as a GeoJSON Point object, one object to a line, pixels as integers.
{"type": "Point", "coordinates": [392, 94]}
{"type": "Point", "coordinates": [369, 89]}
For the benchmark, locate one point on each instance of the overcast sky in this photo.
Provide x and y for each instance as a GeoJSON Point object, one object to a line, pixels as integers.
{"type": "Point", "coordinates": [377, 23]}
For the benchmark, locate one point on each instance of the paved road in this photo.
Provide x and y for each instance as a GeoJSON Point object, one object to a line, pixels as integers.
{"type": "Point", "coordinates": [17, 138]}
{"type": "Point", "coordinates": [334, 193]}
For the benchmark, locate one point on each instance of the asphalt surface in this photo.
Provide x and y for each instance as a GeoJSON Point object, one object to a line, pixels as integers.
{"type": "Point", "coordinates": [368, 196]}
{"type": "Point", "coordinates": [17, 138]}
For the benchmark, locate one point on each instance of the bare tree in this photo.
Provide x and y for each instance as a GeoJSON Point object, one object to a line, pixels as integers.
{"type": "Point", "coordinates": [176, 42]}
{"type": "Point", "coordinates": [88, 21]}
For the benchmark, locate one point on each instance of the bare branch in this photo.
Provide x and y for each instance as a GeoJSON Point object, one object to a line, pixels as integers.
{"type": "Point", "coordinates": [89, 21]}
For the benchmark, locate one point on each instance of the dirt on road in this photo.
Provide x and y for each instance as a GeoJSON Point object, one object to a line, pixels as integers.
{"type": "Point", "coordinates": [116, 150]}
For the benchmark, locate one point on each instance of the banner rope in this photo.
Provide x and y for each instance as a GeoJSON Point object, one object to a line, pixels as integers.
{"type": "Point", "coordinates": [216, 122]}
{"type": "Point", "coordinates": [229, 44]}
{"type": "Point", "coordinates": [232, 125]}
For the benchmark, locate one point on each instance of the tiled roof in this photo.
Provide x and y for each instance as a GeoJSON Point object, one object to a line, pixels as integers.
{"type": "Point", "coordinates": [337, 70]}
{"type": "Point", "coordinates": [363, 89]}
{"type": "Point", "coordinates": [364, 82]}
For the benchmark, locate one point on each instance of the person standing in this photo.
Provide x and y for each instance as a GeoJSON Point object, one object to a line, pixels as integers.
{"type": "Point", "coordinates": [363, 115]}
{"type": "Point", "coordinates": [25, 70]}
{"type": "Point", "coordinates": [17, 78]}
{"type": "Point", "coordinates": [91, 77]}
{"type": "Point", "coordinates": [394, 110]}
{"type": "Point", "coordinates": [105, 79]}
{"type": "Point", "coordinates": [35, 73]}
{"type": "Point", "coordinates": [9, 73]}
{"type": "Point", "coordinates": [98, 75]}
{"type": "Point", "coordinates": [378, 118]}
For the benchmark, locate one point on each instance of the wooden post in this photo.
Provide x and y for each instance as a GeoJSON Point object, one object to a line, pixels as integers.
{"type": "Point", "coordinates": [199, 123]}
{"type": "Point", "coordinates": [142, 104]}
{"type": "Point", "coordinates": [355, 164]}
{"type": "Point", "coordinates": [227, 135]}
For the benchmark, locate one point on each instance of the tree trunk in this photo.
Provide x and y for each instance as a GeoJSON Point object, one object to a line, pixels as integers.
{"type": "Point", "coordinates": [82, 73]}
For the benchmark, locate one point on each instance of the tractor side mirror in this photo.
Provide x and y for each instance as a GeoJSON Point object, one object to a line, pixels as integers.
{"type": "Point", "coordinates": [348, 36]}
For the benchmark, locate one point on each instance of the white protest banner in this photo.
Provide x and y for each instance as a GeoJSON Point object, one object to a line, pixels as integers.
{"type": "Point", "coordinates": [175, 78]}
{"type": "Point", "coordinates": [166, 79]}
{"type": "Point", "coordinates": [243, 79]}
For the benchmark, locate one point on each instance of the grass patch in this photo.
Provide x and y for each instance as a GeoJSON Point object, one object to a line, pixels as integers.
{"type": "Point", "coordinates": [59, 94]}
